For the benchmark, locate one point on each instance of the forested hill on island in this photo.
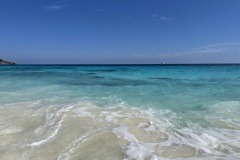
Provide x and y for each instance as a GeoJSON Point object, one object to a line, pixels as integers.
{"type": "Point", "coordinates": [3, 62]}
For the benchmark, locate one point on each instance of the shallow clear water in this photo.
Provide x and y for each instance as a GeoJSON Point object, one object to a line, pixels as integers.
{"type": "Point", "coordinates": [120, 112]}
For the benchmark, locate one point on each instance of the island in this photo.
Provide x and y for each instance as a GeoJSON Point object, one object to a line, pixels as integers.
{"type": "Point", "coordinates": [3, 62]}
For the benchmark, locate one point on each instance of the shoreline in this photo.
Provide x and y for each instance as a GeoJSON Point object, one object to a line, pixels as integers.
{"type": "Point", "coordinates": [4, 62]}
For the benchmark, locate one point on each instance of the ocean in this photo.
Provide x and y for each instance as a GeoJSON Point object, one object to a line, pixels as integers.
{"type": "Point", "coordinates": [122, 112]}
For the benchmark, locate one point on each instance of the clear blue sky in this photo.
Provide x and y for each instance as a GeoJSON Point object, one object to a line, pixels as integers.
{"type": "Point", "coordinates": [120, 31]}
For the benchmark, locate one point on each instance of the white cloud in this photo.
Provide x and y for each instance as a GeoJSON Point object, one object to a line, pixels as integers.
{"type": "Point", "coordinates": [140, 55]}
{"type": "Point", "coordinates": [54, 7]}
{"type": "Point", "coordinates": [98, 10]}
{"type": "Point", "coordinates": [156, 17]}
{"type": "Point", "coordinates": [130, 17]}
{"type": "Point", "coordinates": [166, 19]}
{"type": "Point", "coordinates": [219, 45]}
{"type": "Point", "coordinates": [204, 51]}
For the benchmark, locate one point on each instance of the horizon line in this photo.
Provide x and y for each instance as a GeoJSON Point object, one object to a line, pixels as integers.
{"type": "Point", "coordinates": [123, 64]}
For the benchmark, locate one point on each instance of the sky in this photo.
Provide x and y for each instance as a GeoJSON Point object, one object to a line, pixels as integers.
{"type": "Point", "coordinates": [120, 31]}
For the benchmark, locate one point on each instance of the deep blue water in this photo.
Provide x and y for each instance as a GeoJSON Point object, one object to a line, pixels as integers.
{"type": "Point", "coordinates": [174, 87]}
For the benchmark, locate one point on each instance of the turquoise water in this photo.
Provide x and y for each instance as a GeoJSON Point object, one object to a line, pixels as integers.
{"type": "Point", "coordinates": [195, 106]}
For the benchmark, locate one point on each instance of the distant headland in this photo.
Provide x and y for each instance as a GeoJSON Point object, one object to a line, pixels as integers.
{"type": "Point", "coordinates": [3, 62]}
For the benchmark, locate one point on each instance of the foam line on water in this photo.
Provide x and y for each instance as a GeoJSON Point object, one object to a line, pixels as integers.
{"type": "Point", "coordinates": [70, 148]}
{"type": "Point", "coordinates": [51, 136]}
{"type": "Point", "coordinates": [53, 128]}
{"type": "Point", "coordinates": [135, 150]}
{"type": "Point", "coordinates": [127, 122]}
